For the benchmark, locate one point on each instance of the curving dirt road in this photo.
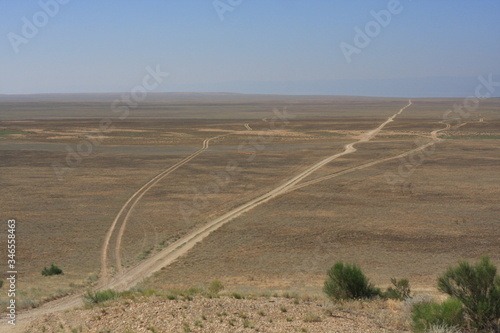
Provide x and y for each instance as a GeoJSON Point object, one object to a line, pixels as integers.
{"type": "Point", "coordinates": [247, 126]}
{"type": "Point", "coordinates": [126, 210]}
{"type": "Point", "coordinates": [145, 268]}
{"type": "Point", "coordinates": [184, 244]}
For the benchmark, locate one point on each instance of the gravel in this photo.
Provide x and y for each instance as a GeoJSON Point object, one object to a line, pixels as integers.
{"type": "Point", "coordinates": [224, 314]}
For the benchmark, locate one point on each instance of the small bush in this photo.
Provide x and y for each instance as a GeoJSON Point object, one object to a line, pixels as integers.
{"type": "Point", "coordinates": [53, 270]}
{"type": "Point", "coordinates": [1, 283]}
{"type": "Point", "coordinates": [400, 291]}
{"type": "Point", "coordinates": [312, 318]}
{"type": "Point", "coordinates": [215, 287]}
{"type": "Point", "coordinates": [237, 295]}
{"type": "Point", "coordinates": [430, 314]}
{"type": "Point", "coordinates": [96, 297]}
{"type": "Point", "coordinates": [478, 288]}
{"type": "Point", "coordinates": [347, 281]}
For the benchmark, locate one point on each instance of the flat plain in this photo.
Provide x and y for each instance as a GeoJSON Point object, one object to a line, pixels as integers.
{"type": "Point", "coordinates": [408, 217]}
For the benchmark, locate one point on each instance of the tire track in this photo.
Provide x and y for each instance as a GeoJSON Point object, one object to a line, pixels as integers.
{"type": "Point", "coordinates": [434, 136]}
{"type": "Point", "coordinates": [175, 250]}
{"type": "Point", "coordinates": [126, 210]}
{"type": "Point", "coordinates": [184, 244]}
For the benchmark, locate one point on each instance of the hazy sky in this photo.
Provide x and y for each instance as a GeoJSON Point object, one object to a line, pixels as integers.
{"type": "Point", "coordinates": [268, 46]}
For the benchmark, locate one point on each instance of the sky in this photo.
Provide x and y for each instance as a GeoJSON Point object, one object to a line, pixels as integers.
{"type": "Point", "coordinates": [416, 48]}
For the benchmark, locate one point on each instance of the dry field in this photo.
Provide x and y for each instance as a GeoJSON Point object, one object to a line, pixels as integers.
{"type": "Point", "coordinates": [442, 209]}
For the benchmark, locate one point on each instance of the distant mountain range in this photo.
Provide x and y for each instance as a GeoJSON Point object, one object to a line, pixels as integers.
{"type": "Point", "coordinates": [410, 87]}
{"type": "Point", "coordinates": [405, 87]}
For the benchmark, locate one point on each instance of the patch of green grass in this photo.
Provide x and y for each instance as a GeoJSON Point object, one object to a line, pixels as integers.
{"type": "Point", "coordinates": [248, 324]}
{"type": "Point", "coordinates": [53, 270]}
{"type": "Point", "coordinates": [186, 328]}
{"type": "Point", "coordinates": [5, 133]}
{"type": "Point", "coordinates": [215, 287]}
{"type": "Point", "coordinates": [312, 318]}
{"type": "Point", "coordinates": [96, 297]}
{"type": "Point", "coordinates": [237, 295]}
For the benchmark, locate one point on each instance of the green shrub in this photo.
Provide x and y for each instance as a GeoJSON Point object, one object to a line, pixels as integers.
{"type": "Point", "coordinates": [347, 281]}
{"type": "Point", "coordinates": [237, 295]}
{"type": "Point", "coordinates": [400, 291]}
{"type": "Point", "coordinates": [215, 287]}
{"type": "Point", "coordinates": [312, 318]}
{"type": "Point", "coordinates": [53, 270]}
{"type": "Point", "coordinates": [430, 314]}
{"type": "Point", "coordinates": [478, 288]}
{"type": "Point", "coordinates": [96, 297]}
{"type": "Point", "coordinates": [1, 283]}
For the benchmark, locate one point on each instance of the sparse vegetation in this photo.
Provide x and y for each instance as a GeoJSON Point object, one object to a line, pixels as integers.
{"type": "Point", "coordinates": [346, 281]}
{"type": "Point", "coordinates": [215, 287]}
{"type": "Point", "coordinates": [431, 314]}
{"type": "Point", "coordinates": [5, 133]}
{"type": "Point", "coordinates": [186, 328]}
{"type": "Point", "coordinates": [237, 295]}
{"type": "Point", "coordinates": [96, 297]}
{"type": "Point", "coordinates": [248, 324]}
{"type": "Point", "coordinates": [400, 291]}
{"type": "Point", "coordinates": [312, 318]}
{"type": "Point", "coordinates": [477, 287]}
{"type": "Point", "coordinates": [190, 270]}
{"type": "Point", "coordinates": [53, 270]}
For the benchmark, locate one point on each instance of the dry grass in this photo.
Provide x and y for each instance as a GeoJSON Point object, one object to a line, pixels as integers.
{"type": "Point", "coordinates": [445, 211]}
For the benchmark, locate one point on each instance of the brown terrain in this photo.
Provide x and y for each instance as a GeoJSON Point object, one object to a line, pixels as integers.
{"type": "Point", "coordinates": [263, 193]}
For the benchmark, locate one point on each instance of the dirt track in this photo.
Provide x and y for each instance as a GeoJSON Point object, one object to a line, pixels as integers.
{"type": "Point", "coordinates": [127, 209]}
{"type": "Point", "coordinates": [145, 268]}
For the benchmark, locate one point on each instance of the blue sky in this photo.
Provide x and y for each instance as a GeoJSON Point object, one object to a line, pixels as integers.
{"type": "Point", "coordinates": [264, 46]}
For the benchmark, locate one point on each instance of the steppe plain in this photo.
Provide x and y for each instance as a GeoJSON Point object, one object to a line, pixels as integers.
{"type": "Point", "coordinates": [407, 217]}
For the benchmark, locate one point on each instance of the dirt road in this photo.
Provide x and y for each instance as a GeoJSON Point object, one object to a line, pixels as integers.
{"type": "Point", "coordinates": [145, 268]}
{"type": "Point", "coordinates": [124, 214]}
{"type": "Point", "coordinates": [434, 135]}
{"type": "Point", "coordinates": [184, 244]}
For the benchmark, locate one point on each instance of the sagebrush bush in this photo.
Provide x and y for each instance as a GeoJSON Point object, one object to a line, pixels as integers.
{"type": "Point", "coordinates": [347, 281]}
{"type": "Point", "coordinates": [478, 288]}
{"type": "Point", "coordinates": [400, 291]}
{"type": "Point", "coordinates": [426, 315]}
{"type": "Point", "coordinates": [53, 270]}
{"type": "Point", "coordinates": [95, 297]}
{"type": "Point", "coordinates": [215, 287]}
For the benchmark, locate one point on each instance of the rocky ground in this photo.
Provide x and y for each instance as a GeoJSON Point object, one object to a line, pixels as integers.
{"type": "Point", "coordinates": [229, 314]}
